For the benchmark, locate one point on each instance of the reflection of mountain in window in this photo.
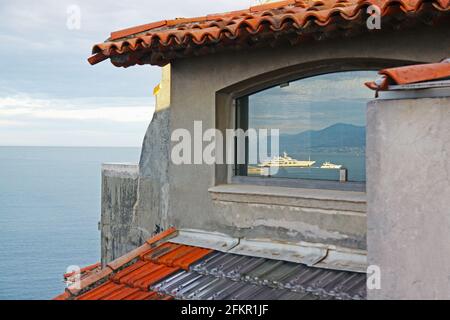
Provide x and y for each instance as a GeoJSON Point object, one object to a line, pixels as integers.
{"type": "Point", "coordinates": [321, 121]}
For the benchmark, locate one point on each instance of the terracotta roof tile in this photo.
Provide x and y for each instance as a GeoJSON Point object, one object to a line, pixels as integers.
{"type": "Point", "coordinates": [101, 291]}
{"type": "Point", "coordinates": [119, 262]}
{"type": "Point", "coordinates": [146, 295]}
{"type": "Point", "coordinates": [411, 74]}
{"type": "Point", "coordinates": [183, 256]}
{"type": "Point", "coordinates": [83, 271]}
{"type": "Point", "coordinates": [160, 42]}
{"type": "Point", "coordinates": [418, 73]}
{"type": "Point", "coordinates": [89, 281]}
{"type": "Point", "coordinates": [162, 236]}
{"type": "Point", "coordinates": [63, 296]}
{"type": "Point", "coordinates": [149, 244]}
{"type": "Point", "coordinates": [137, 29]}
{"type": "Point", "coordinates": [147, 274]}
{"type": "Point", "coordinates": [114, 291]}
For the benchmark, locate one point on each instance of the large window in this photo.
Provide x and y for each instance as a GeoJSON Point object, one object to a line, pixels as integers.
{"type": "Point", "coordinates": [322, 127]}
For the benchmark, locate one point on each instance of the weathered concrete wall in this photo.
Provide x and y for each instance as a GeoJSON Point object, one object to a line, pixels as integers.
{"type": "Point", "coordinates": [150, 214]}
{"type": "Point", "coordinates": [325, 216]}
{"type": "Point", "coordinates": [135, 198]}
{"type": "Point", "coordinates": [408, 187]}
{"type": "Point", "coordinates": [119, 196]}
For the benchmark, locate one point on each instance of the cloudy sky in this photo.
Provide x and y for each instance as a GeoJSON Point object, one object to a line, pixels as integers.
{"type": "Point", "coordinates": [313, 103]}
{"type": "Point", "coordinates": [51, 96]}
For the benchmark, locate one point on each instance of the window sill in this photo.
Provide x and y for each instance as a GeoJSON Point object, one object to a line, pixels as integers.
{"type": "Point", "coordinates": [300, 183]}
{"type": "Point", "coordinates": [293, 197]}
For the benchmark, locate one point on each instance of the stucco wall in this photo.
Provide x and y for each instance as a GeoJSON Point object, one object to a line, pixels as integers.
{"type": "Point", "coordinates": [195, 83]}
{"type": "Point", "coordinates": [408, 172]}
{"type": "Point", "coordinates": [179, 196]}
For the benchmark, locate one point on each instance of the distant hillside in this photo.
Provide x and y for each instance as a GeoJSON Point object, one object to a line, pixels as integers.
{"type": "Point", "coordinates": [339, 135]}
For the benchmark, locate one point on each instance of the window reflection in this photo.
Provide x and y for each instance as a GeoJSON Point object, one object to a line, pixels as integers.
{"type": "Point", "coordinates": [322, 126]}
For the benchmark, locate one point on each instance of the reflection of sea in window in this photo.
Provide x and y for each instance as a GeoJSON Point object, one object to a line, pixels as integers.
{"type": "Point", "coordinates": [321, 121]}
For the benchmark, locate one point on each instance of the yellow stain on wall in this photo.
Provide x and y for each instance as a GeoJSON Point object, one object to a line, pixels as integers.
{"type": "Point", "coordinates": [156, 89]}
{"type": "Point", "coordinates": [162, 90]}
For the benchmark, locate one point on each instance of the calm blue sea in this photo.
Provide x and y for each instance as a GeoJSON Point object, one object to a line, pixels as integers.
{"type": "Point", "coordinates": [354, 163]}
{"type": "Point", "coordinates": [49, 210]}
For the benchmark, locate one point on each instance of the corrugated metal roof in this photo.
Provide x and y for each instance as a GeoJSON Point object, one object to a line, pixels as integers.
{"type": "Point", "coordinates": [284, 275]}
{"type": "Point", "coordinates": [293, 20]}
{"type": "Point", "coordinates": [191, 285]}
{"type": "Point", "coordinates": [164, 270]}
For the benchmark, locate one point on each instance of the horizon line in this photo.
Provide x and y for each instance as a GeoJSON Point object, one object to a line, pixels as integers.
{"type": "Point", "coordinates": [60, 146]}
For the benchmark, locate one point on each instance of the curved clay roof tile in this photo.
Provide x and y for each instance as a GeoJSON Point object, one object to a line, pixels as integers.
{"type": "Point", "coordinates": [411, 74]}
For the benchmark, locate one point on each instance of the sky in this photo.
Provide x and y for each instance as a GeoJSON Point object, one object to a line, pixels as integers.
{"type": "Point", "coordinates": [51, 96]}
{"type": "Point", "coordinates": [313, 103]}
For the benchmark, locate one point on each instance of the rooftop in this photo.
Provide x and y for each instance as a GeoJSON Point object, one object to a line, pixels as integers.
{"type": "Point", "coordinates": [291, 21]}
{"type": "Point", "coordinates": [405, 77]}
{"type": "Point", "coordinates": [163, 269]}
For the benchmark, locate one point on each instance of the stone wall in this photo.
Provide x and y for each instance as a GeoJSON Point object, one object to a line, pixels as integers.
{"type": "Point", "coordinates": [135, 197]}
{"type": "Point", "coordinates": [150, 214]}
{"type": "Point", "coordinates": [119, 196]}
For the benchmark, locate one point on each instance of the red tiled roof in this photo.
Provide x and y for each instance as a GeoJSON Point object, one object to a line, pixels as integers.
{"type": "Point", "coordinates": [160, 42]}
{"type": "Point", "coordinates": [411, 74]}
{"type": "Point", "coordinates": [130, 276]}
{"type": "Point", "coordinates": [111, 290]}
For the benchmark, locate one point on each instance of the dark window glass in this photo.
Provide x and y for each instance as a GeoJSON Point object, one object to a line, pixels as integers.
{"type": "Point", "coordinates": [321, 122]}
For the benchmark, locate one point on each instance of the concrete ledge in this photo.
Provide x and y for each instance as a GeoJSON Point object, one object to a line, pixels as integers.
{"type": "Point", "coordinates": [206, 239]}
{"type": "Point", "coordinates": [311, 254]}
{"type": "Point", "coordinates": [432, 89]}
{"type": "Point", "coordinates": [294, 197]}
{"type": "Point", "coordinates": [125, 170]}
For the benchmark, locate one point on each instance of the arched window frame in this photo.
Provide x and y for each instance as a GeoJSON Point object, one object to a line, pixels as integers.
{"type": "Point", "coordinates": [226, 115]}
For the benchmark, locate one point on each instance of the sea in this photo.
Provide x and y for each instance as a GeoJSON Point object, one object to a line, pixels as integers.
{"type": "Point", "coordinates": [354, 162]}
{"type": "Point", "coordinates": [50, 209]}
{"type": "Point", "coordinates": [49, 214]}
